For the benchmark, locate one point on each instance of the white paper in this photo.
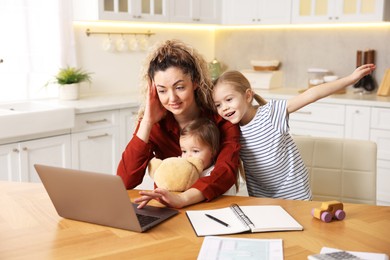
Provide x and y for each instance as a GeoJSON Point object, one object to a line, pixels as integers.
{"type": "Point", "coordinates": [223, 248]}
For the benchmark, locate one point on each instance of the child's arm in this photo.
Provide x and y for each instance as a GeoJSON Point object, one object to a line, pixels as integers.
{"type": "Point", "coordinates": [315, 93]}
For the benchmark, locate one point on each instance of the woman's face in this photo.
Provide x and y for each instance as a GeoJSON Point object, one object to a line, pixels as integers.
{"type": "Point", "coordinates": [191, 146]}
{"type": "Point", "coordinates": [175, 90]}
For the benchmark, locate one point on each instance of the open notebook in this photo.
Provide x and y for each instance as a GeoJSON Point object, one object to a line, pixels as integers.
{"type": "Point", "coordinates": [239, 219]}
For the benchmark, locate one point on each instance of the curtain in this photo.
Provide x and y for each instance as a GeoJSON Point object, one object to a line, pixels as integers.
{"type": "Point", "coordinates": [36, 40]}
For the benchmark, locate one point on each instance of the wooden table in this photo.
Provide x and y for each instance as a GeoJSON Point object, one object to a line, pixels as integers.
{"type": "Point", "coordinates": [31, 229]}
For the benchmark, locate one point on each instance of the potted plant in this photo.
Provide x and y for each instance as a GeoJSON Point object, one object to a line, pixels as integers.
{"type": "Point", "coordinates": [68, 80]}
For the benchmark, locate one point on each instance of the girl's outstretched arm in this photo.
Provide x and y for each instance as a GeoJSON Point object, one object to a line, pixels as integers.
{"type": "Point", "coordinates": [315, 93]}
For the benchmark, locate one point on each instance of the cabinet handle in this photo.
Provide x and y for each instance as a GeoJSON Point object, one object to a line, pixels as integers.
{"type": "Point", "coordinates": [97, 136]}
{"type": "Point", "coordinates": [96, 121]}
{"type": "Point", "coordinates": [304, 112]}
{"type": "Point", "coordinates": [15, 150]}
{"type": "Point", "coordinates": [24, 149]}
{"type": "Point", "coordinates": [196, 19]}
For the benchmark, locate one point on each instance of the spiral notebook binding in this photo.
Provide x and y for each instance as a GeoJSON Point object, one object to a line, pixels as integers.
{"type": "Point", "coordinates": [241, 216]}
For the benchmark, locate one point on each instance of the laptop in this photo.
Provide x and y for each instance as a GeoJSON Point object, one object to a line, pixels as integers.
{"type": "Point", "coordinates": [97, 198]}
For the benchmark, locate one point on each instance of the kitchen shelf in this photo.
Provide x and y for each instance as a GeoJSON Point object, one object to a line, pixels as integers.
{"type": "Point", "coordinates": [88, 32]}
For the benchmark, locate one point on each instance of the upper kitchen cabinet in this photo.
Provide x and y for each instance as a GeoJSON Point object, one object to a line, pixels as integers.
{"type": "Point", "coordinates": [195, 11]}
{"type": "Point", "coordinates": [330, 11]}
{"type": "Point", "coordinates": [121, 10]}
{"type": "Point", "coordinates": [251, 12]}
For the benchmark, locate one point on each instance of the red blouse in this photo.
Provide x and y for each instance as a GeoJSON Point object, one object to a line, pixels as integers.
{"type": "Point", "coordinates": [164, 143]}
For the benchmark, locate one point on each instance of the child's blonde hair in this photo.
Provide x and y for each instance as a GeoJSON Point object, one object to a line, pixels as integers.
{"type": "Point", "coordinates": [240, 83]}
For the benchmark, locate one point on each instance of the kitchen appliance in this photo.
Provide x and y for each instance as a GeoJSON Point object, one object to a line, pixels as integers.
{"type": "Point", "coordinates": [264, 79]}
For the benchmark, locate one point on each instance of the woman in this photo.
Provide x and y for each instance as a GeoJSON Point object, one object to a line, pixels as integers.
{"type": "Point", "coordinates": [178, 90]}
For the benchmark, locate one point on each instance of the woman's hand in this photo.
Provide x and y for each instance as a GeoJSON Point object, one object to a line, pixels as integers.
{"type": "Point", "coordinates": [163, 196]}
{"type": "Point", "coordinates": [170, 199]}
{"type": "Point", "coordinates": [154, 111]}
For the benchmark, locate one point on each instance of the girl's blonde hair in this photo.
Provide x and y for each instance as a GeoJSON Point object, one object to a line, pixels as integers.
{"type": "Point", "coordinates": [175, 53]}
{"type": "Point", "coordinates": [240, 84]}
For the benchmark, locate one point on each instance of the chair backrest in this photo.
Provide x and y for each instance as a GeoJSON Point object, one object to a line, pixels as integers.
{"type": "Point", "coordinates": [340, 169]}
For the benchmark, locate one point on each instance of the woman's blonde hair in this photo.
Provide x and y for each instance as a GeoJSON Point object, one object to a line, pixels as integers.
{"type": "Point", "coordinates": [175, 53]}
{"type": "Point", "coordinates": [240, 84]}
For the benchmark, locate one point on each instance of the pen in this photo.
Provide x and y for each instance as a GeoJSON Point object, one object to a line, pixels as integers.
{"type": "Point", "coordinates": [217, 220]}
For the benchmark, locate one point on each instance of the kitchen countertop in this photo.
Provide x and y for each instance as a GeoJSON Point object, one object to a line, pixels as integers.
{"type": "Point", "coordinates": [89, 104]}
{"type": "Point", "coordinates": [351, 97]}
{"type": "Point", "coordinates": [98, 103]}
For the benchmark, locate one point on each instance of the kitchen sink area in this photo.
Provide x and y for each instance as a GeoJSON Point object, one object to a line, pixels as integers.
{"type": "Point", "coordinates": [33, 117]}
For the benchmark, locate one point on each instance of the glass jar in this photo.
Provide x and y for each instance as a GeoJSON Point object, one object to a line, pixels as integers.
{"type": "Point", "coordinates": [316, 76]}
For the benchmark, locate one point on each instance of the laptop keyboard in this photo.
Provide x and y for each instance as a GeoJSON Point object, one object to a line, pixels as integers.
{"type": "Point", "coordinates": [145, 220]}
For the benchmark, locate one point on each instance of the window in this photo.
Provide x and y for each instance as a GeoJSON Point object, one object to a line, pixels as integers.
{"type": "Point", "coordinates": [36, 41]}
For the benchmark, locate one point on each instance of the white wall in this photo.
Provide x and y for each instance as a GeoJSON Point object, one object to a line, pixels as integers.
{"type": "Point", "coordinates": [301, 48]}
{"type": "Point", "coordinates": [297, 48]}
{"type": "Point", "coordinates": [119, 72]}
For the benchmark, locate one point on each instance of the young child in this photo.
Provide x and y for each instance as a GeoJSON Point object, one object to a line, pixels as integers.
{"type": "Point", "coordinates": [272, 163]}
{"type": "Point", "coordinates": [201, 139]}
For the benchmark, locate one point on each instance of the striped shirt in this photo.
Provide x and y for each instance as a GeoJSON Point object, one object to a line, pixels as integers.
{"type": "Point", "coordinates": [273, 166]}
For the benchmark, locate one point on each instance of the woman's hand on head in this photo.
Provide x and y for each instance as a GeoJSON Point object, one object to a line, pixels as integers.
{"type": "Point", "coordinates": [154, 111]}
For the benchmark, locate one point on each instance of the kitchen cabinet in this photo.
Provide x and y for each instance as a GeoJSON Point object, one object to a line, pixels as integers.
{"type": "Point", "coordinates": [250, 12]}
{"type": "Point", "coordinates": [318, 119]}
{"type": "Point", "coordinates": [380, 133]}
{"type": "Point", "coordinates": [357, 122]}
{"type": "Point", "coordinates": [195, 11]}
{"type": "Point", "coordinates": [127, 123]}
{"type": "Point", "coordinates": [330, 11]}
{"type": "Point", "coordinates": [17, 159]}
{"type": "Point", "coordinates": [95, 142]}
{"type": "Point", "coordinates": [121, 10]}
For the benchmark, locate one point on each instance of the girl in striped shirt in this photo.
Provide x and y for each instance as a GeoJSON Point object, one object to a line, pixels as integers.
{"type": "Point", "coordinates": [272, 163]}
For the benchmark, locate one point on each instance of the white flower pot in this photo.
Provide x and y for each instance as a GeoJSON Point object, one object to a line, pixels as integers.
{"type": "Point", "coordinates": [69, 92]}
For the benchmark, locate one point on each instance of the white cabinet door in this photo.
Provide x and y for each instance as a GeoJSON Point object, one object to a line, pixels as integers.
{"type": "Point", "coordinates": [195, 11]}
{"type": "Point", "coordinates": [53, 151]}
{"type": "Point", "coordinates": [257, 12]}
{"type": "Point", "coordinates": [357, 122]}
{"type": "Point", "coordinates": [96, 150]}
{"type": "Point", "coordinates": [127, 123]}
{"type": "Point", "coordinates": [9, 162]}
{"type": "Point", "coordinates": [17, 160]}
{"type": "Point", "coordinates": [150, 10]}
{"type": "Point", "coordinates": [382, 139]}
{"type": "Point", "coordinates": [95, 142]}
{"type": "Point", "coordinates": [275, 12]}
{"type": "Point", "coordinates": [330, 11]}
{"type": "Point", "coordinates": [121, 10]}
